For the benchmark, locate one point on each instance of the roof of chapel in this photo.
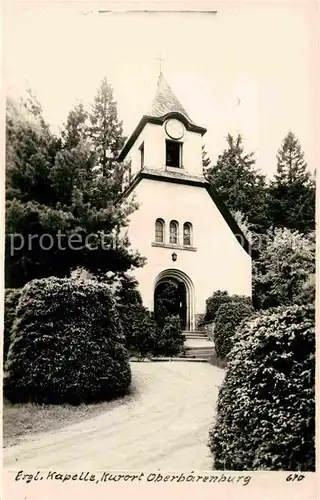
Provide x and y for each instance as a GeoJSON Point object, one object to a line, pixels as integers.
{"type": "Point", "coordinates": [165, 101]}
{"type": "Point", "coordinates": [165, 105]}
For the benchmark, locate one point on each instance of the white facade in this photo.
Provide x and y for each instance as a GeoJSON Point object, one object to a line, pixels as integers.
{"type": "Point", "coordinates": [214, 259]}
{"type": "Point", "coordinates": [153, 138]}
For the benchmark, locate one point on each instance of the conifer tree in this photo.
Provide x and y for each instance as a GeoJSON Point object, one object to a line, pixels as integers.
{"type": "Point", "coordinates": [283, 271]}
{"type": "Point", "coordinates": [76, 127]}
{"type": "Point", "coordinates": [206, 160]}
{"type": "Point", "coordinates": [239, 184]}
{"type": "Point", "coordinates": [106, 135]}
{"type": "Point", "coordinates": [54, 188]}
{"type": "Point", "coordinates": [291, 197]}
{"type": "Point", "coordinates": [30, 152]}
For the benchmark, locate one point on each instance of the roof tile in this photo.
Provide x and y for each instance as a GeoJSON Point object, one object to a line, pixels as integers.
{"type": "Point", "coordinates": [166, 102]}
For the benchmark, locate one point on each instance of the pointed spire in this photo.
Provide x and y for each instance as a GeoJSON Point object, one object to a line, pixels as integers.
{"type": "Point", "coordinates": [161, 60]}
{"type": "Point", "coordinates": [165, 101]}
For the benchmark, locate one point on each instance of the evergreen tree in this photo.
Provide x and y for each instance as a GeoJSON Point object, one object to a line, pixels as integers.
{"type": "Point", "coordinates": [75, 130]}
{"type": "Point", "coordinates": [106, 136]}
{"type": "Point", "coordinates": [239, 185]}
{"type": "Point", "coordinates": [30, 152]}
{"type": "Point", "coordinates": [284, 270]}
{"type": "Point", "coordinates": [206, 161]}
{"type": "Point", "coordinates": [73, 171]}
{"type": "Point", "coordinates": [76, 165]}
{"type": "Point", "coordinates": [55, 196]}
{"type": "Point", "coordinates": [291, 200]}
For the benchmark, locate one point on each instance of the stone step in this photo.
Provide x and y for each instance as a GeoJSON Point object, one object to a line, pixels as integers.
{"type": "Point", "coordinates": [195, 335]}
{"type": "Point", "coordinates": [199, 345]}
{"type": "Point", "coordinates": [199, 349]}
{"type": "Point", "coordinates": [199, 352]}
{"type": "Point", "coordinates": [200, 337]}
{"type": "Point", "coordinates": [200, 332]}
{"type": "Point", "coordinates": [182, 358]}
{"type": "Point", "coordinates": [198, 356]}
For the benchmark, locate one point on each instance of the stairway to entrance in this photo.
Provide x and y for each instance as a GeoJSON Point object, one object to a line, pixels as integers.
{"type": "Point", "coordinates": [198, 346]}
{"type": "Point", "coordinates": [197, 334]}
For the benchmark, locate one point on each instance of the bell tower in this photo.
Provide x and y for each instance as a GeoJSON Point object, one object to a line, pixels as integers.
{"type": "Point", "coordinates": [165, 139]}
{"type": "Point", "coordinates": [186, 233]}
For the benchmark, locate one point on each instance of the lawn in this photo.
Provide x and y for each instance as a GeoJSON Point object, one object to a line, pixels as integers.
{"type": "Point", "coordinates": [163, 424]}
{"type": "Point", "coordinates": [22, 420]}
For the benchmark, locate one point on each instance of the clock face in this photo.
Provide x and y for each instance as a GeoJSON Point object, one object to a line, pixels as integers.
{"type": "Point", "coordinates": [174, 129]}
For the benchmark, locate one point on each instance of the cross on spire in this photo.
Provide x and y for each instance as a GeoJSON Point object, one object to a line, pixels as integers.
{"type": "Point", "coordinates": [161, 60]}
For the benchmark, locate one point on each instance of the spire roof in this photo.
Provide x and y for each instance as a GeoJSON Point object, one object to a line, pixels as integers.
{"type": "Point", "coordinates": [165, 101]}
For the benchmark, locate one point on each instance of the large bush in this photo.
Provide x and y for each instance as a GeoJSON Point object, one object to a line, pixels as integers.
{"type": "Point", "coordinates": [307, 293]}
{"type": "Point", "coordinates": [228, 318]}
{"type": "Point", "coordinates": [145, 337]}
{"type": "Point", "coordinates": [266, 405]}
{"type": "Point", "coordinates": [282, 274]}
{"type": "Point", "coordinates": [169, 340]}
{"type": "Point", "coordinates": [218, 298]}
{"type": "Point", "coordinates": [140, 329]}
{"type": "Point", "coordinates": [138, 325]}
{"type": "Point", "coordinates": [147, 334]}
{"type": "Point", "coordinates": [68, 344]}
{"type": "Point", "coordinates": [166, 302]}
{"type": "Point", "coordinates": [11, 299]}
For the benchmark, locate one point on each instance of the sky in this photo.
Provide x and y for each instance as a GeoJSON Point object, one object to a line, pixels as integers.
{"type": "Point", "coordinates": [250, 68]}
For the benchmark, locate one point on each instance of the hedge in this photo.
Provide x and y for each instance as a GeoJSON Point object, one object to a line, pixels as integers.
{"type": "Point", "coordinates": [145, 335]}
{"type": "Point", "coordinates": [138, 326]}
{"type": "Point", "coordinates": [166, 302]}
{"type": "Point", "coordinates": [228, 318]}
{"type": "Point", "coordinates": [11, 299]}
{"type": "Point", "coordinates": [266, 404]}
{"type": "Point", "coordinates": [140, 330]}
{"type": "Point", "coordinates": [218, 298]}
{"type": "Point", "coordinates": [169, 340]}
{"type": "Point", "coordinates": [68, 345]}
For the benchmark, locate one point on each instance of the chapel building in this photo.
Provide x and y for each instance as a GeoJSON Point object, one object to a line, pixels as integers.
{"type": "Point", "coordinates": [187, 234]}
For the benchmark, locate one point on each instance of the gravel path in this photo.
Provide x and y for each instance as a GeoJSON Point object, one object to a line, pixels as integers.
{"type": "Point", "coordinates": [164, 426]}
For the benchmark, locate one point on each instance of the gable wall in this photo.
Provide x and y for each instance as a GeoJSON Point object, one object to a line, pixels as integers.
{"type": "Point", "coordinates": [219, 262]}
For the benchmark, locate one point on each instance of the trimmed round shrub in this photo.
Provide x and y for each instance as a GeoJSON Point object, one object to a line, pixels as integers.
{"type": "Point", "coordinates": [228, 318]}
{"type": "Point", "coordinates": [67, 345]}
{"type": "Point", "coordinates": [169, 340]}
{"type": "Point", "coordinates": [138, 325]}
{"type": "Point", "coordinates": [166, 302]}
{"type": "Point", "coordinates": [266, 404]}
{"type": "Point", "coordinates": [11, 299]}
{"type": "Point", "coordinates": [146, 334]}
{"type": "Point", "coordinates": [218, 298]}
{"type": "Point", "coordinates": [140, 329]}
{"type": "Point", "coordinates": [144, 337]}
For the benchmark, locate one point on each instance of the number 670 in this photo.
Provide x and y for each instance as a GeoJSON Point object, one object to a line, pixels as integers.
{"type": "Point", "coordinates": [295, 477]}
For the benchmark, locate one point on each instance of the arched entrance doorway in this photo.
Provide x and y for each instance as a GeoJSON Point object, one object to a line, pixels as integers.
{"type": "Point", "coordinates": [170, 298]}
{"type": "Point", "coordinates": [174, 291]}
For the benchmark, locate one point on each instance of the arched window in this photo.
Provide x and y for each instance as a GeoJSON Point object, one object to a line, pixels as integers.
{"type": "Point", "coordinates": [174, 231]}
{"type": "Point", "coordinates": [159, 231]}
{"type": "Point", "coordinates": [187, 233]}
